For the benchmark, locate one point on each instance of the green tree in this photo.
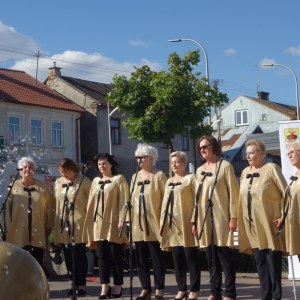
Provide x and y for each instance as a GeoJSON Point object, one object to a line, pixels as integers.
{"type": "Point", "coordinates": [162, 104]}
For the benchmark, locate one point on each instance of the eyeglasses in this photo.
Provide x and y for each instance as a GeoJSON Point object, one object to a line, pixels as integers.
{"type": "Point", "coordinates": [292, 152]}
{"type": "Point", "coordinates": [204, 147]}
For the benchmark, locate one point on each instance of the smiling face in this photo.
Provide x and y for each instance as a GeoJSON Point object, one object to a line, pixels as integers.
{"type": "Point", "coordinates": [254, 156]}
{"type": "Point", "coordinates": [294, 156]}
{"type": "Point", "coordinates": [178, 166]}
{"type": "Point", "coordinates": [206, 150]}
{"type": "Point", "coordinates": [104, 166]}
{"type": "Point", "coordinates": [28, 170]}
{"type": "Point", "coordinates": [66, 173]}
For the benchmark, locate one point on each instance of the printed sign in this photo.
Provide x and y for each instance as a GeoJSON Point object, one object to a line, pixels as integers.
{"type": "Point", "coordinates": [291, 134]}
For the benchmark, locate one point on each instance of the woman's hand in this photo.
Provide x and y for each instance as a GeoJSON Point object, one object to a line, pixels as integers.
{"type": "Point", "coordinates": [278, 222]}
{"type": "Point", "coordinates": [232, 225]}
{"type": "Point", "coordinates": [194, 229]}
{"type": "Point", "coordinates": [120, 225]}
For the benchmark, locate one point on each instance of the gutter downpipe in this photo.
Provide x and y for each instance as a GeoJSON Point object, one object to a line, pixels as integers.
{"type": "Point", "coordinates": [77, 136]}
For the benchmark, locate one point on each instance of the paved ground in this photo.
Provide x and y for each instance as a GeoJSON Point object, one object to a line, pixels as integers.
{"type": "Point", "coordinates": [247, 287]}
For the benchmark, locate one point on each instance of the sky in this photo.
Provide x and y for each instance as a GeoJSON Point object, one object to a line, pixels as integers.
{"type": "Point", "coordinates": [93, 40]}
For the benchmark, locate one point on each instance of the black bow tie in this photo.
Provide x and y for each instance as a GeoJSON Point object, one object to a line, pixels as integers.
{"type": "Point", "coordinates": [252, 175]}
{"type": "Point", "coordinates": [29, 190]}
{"type": "Point", "coordinates": [101, 192]}
{"type": "Point", "coordinates": [67, 184]}
{"type": "Point", "coordinates": [142, 200]}
{"type": "Point", "coordinates": [174, 184]}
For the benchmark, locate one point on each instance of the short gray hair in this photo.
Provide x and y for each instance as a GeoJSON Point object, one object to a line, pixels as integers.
{"type": "Point", "coordinates": [147, 150]}
{"type": "Point", "coordinates": [182, 155]}
{"type": "Point", "coordinates": [295, 143]}
{"type": "Point", "coordinates": [28, 159]}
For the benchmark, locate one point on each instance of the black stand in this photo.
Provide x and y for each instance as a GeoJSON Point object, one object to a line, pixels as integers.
{"type": "Point", "coordinates": [128, 208]}
{"type": "Point", "coordinates": [210, 206]}
{"type": "Point", "coordinates": [71, 208]}
{"type": "Point", "coordinates": [3, 207]}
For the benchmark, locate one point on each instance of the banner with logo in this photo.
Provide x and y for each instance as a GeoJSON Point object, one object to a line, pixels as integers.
{"type": "Point", "coordinates": [289, 131]}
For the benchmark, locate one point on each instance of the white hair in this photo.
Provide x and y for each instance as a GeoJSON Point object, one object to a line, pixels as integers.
{"type": "Point", "coordinates": [295, 143]}
{"type": "Point", "coordinates": [28, 159]}
{"type": "Point", "coordinates": [147, 150]}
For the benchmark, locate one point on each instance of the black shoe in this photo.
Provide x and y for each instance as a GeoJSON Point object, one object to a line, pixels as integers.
{"type": "Point", "coordinates": [70, 292]}
{"type": "Point", "coordinates": [107, 296]}
{"type": "Point", "coordinates": [81, 292]}
{"type": "Point", "coordinates": [184, 296]}
{"type": "Point", "coordinates": [117, 295]}
{"type": "Point", "coordinates": [157, 297]}
{"type": "Point", "coordinates": [146, 296]}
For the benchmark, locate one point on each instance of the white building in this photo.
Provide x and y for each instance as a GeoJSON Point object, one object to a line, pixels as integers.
{"type": "Point", "coordinates": [31, 110]}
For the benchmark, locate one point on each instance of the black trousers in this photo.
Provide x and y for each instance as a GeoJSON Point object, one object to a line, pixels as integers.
{"type": "Point", "coordinates": [36, 252]}
{"type": "Point", "coordinates": [81, 263]}
{"type": "Point", "coordinates": [269, 268]}
{"type": "Point", "coordinates": [224, 256]}
{"type": "Point", "coordinates": [103, 249]}
{"type": "Point", "coordinates": [192, 256]}
{"type": "Point", "coordinates": [143, 250]}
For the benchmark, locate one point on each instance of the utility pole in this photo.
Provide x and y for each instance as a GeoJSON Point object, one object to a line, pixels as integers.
{"type": "Point", "coordinates": [215, 83]}
{"type": "Point", "coordinates": [37, 66]}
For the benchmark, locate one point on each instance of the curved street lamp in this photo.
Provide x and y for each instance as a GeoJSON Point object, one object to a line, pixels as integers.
{"type": "Point", "coordinates": [296, 81]}
{"type": "Point", "coordinates": [206, 62]}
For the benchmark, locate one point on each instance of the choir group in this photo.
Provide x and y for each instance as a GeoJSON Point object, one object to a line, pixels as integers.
{"type": "Point", "coordinates": [167, 215]}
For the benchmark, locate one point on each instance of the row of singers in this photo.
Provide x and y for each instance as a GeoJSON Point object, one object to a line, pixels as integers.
{"type": "Point", "coordinates": [167, 214]}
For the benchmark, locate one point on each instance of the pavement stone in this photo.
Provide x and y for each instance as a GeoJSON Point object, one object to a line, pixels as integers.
{"type": "Point", "coordinates": [247, 287]}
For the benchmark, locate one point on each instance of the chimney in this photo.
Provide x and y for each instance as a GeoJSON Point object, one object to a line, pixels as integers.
{"type": "Point", "coordinates": [263, 96]}
{"type": "Point", "coordinates": [54, 71]}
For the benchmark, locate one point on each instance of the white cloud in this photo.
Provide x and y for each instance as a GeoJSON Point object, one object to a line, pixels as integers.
{"type": "Point", "coordinates": [12, 41]}
{"type": "Point", "coordinates": [230, 51]}
{"type": "Point", "coordinates": [142, 44]}
{"type": "Point", "coordinates": [293, 50]}
{"type": "Point", "coordinates": [93, 67]}
{"type": "Point", "coordinates": [266, 61]}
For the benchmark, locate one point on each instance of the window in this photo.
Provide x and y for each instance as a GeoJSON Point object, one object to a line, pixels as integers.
{"type": "Point", "coordinates": [115, 131]}
{"type": "Point", "coordinates": [36, 132]}
{"type": "Point", "coordinates": [244, 155]}
{"type": "Point", "coordinates": [164, 146]}
{"type": "Point", "coordinates": [184, 142]}
{"type": "Point", "coordinates": [14, 129]}
{"type": "Point", "coordinates": [56, 134]}
{"type": "Point", "coordinates": [264, 117]}
{"type": "Point", "coordinates": [241, 117]}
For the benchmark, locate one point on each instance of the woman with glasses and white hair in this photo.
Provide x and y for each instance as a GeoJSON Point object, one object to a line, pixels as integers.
{"type": "Point", "coordinates": [146, 202]}
{"type": "Point", "coordinates": [175, 225]}
{"type": "Point", "coordinates": [290, 210]}
{"type": "Point", "coordinates": [30, 212]}
{"type": "Point", "coordinates": [262, 190]}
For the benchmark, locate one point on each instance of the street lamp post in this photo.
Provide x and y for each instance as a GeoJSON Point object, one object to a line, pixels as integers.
{"type": "Point", "coordinates": [109, 114]}
{"type": "Point", "coordinates": [296, 81]}
{"type": "Point", "coordinates": [206, 61]}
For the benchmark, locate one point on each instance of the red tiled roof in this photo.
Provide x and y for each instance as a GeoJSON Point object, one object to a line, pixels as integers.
{"type": "Point", "coordinates": [19, 87]}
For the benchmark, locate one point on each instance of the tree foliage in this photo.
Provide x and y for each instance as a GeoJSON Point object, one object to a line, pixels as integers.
{"type": "Point", "coordinates": [162, 104]}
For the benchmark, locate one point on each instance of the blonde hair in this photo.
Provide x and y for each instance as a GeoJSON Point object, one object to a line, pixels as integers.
{"type": "Point", "coordinates": [147, 150]}
{"type": "Point", "coordinates": [294, 143]}
{"type": "Point", "coordinates": [182, 155]}
{"type": "Point", "coordinates": [259, 145]}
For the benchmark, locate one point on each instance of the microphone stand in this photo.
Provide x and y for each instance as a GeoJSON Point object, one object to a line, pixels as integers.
{"type": "Point", "coordinates": [3, 208]}
{"type": "Point", "coordinates": [128, 207]}
{"type": "Point", "coordinates": [71, 208]}
{"type": "Point", "coordinates": [210, 206]}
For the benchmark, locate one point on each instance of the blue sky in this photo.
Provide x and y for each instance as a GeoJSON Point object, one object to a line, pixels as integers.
{"type": "Point", "coordinates": [112, 36]}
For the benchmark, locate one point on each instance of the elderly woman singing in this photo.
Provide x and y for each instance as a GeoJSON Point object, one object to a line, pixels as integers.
{"type": "Point", "coordinates": [30, 212]}
{"type": "Point", "coordinates": [225, 206]}
{"type": "Point", "coordinates": [175, 225]}
{"type": "Point", "coordinates": [146, 201]}
{"type": "Point", "coordinates": [290, 211]}
{"type": "Point", "coordinates": [261, 195]}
